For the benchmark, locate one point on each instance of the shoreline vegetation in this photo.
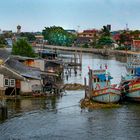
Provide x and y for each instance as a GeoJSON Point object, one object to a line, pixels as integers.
{"type": "Point", "coordinates": [106, 52]}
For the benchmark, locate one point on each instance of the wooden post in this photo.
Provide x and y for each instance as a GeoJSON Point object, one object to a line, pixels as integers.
{"type": "Point", "coordinates": [15, 91]}
{"type": "Point", "coordinates": [90, 82]}
{"type": "Point", "coordinates": [85, 83]}
{"type": "Point", "coordinates": [80, 61]}
{"type": "Point", "coordinates": [75, 71]}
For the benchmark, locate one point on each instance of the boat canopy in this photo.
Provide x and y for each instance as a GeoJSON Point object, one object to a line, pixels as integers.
{"type": "Point", "coordinates": [137, 71]}
{"type": "Point", "coordinates": [104, 77]}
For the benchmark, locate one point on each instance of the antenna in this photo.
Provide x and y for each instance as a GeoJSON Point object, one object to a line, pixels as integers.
{"type": "Point", "coordinates": [127, 27]}
{"type": "Point", "coordinates": [78, 27]}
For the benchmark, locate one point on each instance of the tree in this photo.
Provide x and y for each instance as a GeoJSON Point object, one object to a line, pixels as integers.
{"type": "Point", "coordinates": [7, 35]}
{"type": "Point", "coordinates": [125, 38]}
{"type": "Point", "coordinates": [3, 42]}
{"type": "Point", "coordinates": [105, 31]}
{"type": "Point", "coordinates": [21, 47]}
{"type": "Point", "coordinates": [29, 36]}
{"type": "Point", "coordinates": [58, 36]}
{"type": "Point", "coordinates": [104, 41]}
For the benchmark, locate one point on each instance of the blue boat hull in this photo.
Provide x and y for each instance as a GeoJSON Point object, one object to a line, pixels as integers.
{"type": "Point", "coordinates": [107, 98]}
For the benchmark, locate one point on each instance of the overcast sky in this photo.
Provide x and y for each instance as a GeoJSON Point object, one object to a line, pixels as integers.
{"type": "Point", "coordinates": [34, 15]}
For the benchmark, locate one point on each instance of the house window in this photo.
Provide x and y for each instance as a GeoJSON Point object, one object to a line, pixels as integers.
{"type": "Point", "coordinates": [6, 82]}
{"type": "Point", "coordinates": [12, 82]}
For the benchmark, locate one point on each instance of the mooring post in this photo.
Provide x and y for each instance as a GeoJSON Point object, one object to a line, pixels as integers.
{"type": "Point", "coordinates": [81, 60]}
{"type": "Point", "coordinates": [90, 82]}
{"type": "Point", "coordinates": [75, 71]}
{"type": "Point", "coordinates": [85, 83]}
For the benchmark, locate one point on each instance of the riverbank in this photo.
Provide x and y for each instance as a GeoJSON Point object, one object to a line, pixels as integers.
{"type": "Point", "coordinates": [91, 50]}
{"type": "Point", "coordinates": [89, 104]}
{"type": "Point", "coordinates": [74, 86]}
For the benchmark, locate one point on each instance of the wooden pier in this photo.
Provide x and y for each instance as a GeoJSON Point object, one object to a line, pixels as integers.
{"type": "Point", "coordinates": [72, 61]}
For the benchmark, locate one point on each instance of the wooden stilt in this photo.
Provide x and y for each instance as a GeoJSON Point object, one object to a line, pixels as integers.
{"type": "Point", "coordinates": [85, 83]}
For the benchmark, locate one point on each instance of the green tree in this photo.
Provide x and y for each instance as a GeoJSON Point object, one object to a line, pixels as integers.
{"type": "Point", "coordinates": [104, 41]}
{"type": "Point", "coordinates": [21, 47]}
{"type": "Point", "coordinates": [29, 36]}
{"type": "Point", "coordinates": [105, 31]}
{"type": "Point", "coordinates": [7, 35]}
{"type": "Point", "coordinates": [3, 42]}
{"type": "Point", "coordinates": [85, 45]}
{"type": "Point", "coordinates": [125, 38]}
{"type": "Point", "coordinates": [58, 36]}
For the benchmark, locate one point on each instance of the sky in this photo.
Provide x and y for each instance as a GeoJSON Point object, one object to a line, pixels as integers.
{"type": "Point", "coordinates": [34, 15]}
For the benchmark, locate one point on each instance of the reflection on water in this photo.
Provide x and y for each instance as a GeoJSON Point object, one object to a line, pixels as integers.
{"type": "Point", "coordinates": [19, 106]}
{"type": "Point", "coordinates": [62, 119]}
{"type": "Point", "coordinates": [3, 114]}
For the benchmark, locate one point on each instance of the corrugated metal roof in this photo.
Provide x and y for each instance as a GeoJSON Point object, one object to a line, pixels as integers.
{"type": "Point", "coordinates": [9, 73]}
{"type": "Point", "coordinates": [4, 54]}
{"type": "Point", "coordinates": [23, 70]}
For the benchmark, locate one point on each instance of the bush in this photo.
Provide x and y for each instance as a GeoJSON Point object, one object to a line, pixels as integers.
{"type": "Point", "coordinates": [85, 45]}
{"type": "Point", "coordinates": [124, 48]}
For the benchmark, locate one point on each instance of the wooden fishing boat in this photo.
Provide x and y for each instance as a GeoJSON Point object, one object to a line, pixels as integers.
{"type": "Point", "coordinates": [130, 83]}
{"type": "Point", "coordinates": [101, 89]}
{"type": "Point", "coordinates": [131, 89]}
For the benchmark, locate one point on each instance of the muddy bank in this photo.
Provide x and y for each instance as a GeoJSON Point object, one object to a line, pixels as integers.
{"type": "Point", "coordinates": [89, 104]}
{"type": "Point", "coordinates": [74, 86]}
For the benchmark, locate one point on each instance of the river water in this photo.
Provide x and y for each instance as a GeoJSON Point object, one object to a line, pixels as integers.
{"type": "Point", "coordinates": [62, 118]}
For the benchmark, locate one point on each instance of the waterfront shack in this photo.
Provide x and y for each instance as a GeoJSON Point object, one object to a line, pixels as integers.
{"type": "Point", "coordinates": [32, 76]}
{"type": "Point", "coordinates": [54, 66]}
{"type": "Point", "coordinates": [8, 77]}
{"type": "Point", "coordinates": [50, 71]}
{"type": "Point", "coordinates": [9, 80]}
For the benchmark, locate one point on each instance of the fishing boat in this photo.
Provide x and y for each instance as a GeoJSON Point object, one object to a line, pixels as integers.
{"type": "Point", "coordinates": [130, 83]}
{"type": "Point", "coordinates": [100, 87]}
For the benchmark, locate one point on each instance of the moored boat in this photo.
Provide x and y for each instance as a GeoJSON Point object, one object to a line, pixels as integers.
{"type": "Point", "coordinates": [130, 83]}
{"type": "Point", "coordinates": [100, 87]}
{"type": "Point", "coordinates": [131, 89]}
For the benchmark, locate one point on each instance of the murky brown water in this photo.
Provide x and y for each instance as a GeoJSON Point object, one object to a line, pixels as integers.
{"type": "Point", "coordinates": [62, 118]}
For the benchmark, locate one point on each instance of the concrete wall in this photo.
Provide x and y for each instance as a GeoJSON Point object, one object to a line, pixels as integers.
{"type": "Point", "coordinates": [26, 86]}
